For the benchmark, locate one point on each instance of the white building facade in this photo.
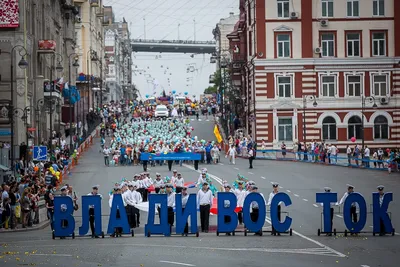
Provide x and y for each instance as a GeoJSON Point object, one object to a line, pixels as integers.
{"type": "Point", "coordinates": [314, 64]}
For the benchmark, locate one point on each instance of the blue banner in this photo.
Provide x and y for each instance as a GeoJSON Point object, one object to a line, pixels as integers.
{"type": "Point", "coordinates": [171, 156]}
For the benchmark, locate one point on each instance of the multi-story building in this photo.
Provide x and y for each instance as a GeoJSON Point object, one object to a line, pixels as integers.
{"type": "Point", "coordinates": [119, 53]}
{"type": "Point", "coordinates": [41, 32]}
{"type": "Point", "coordinates": [324, 70]}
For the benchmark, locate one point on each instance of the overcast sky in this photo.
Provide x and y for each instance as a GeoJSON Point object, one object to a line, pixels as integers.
{"type": "Point", "coordinates": [161, 18]}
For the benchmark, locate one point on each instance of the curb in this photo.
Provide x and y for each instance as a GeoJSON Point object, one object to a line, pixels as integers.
{"type": "Point", "coordinates": [28, 229]}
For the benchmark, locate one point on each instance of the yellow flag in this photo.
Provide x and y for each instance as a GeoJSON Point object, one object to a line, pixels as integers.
{"type": "Point", "coordinates": [217, 134]}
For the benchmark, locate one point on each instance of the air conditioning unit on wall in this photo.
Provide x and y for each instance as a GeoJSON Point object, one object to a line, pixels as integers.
{"type": "Point", "coordinates": [323, 23]}
{"type": "Point", "coordinates": [294, 15]}
{"type": "Point", "coordinates": [318, 50]}
{"type": "Point", "coordinates": [384, 100]}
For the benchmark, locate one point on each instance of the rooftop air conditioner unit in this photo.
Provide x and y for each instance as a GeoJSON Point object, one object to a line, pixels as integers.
{"type": "Point", "coordinates": [78, 19]}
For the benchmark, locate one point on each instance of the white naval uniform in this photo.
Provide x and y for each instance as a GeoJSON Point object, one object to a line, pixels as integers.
{"type": "Point", "coordinates": [179, 182]}
{"type": "Point", "coordinates": [158, 183]}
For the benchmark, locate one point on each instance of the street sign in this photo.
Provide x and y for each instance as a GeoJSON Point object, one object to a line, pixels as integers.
{"type": "Point", "coordinates": [39, 153]}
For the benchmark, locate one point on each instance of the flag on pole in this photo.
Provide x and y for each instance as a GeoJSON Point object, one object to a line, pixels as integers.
{"type": "Point", "coordinates": [217, 134]}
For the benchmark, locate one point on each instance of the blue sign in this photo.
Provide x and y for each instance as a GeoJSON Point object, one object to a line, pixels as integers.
{"type": "Point", "coordinates": [171, 156]}
{"type": "Point", "coordinates": [5, 132]}
{"type": "Point", "coordinates": [64, 221]}
{"type": "Point", "coordinates": [39, 153]}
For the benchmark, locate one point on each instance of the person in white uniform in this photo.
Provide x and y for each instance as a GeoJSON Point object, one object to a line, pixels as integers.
{"type": "Point", "coordinates": [353, 208]}
{"type": "Point", "coordinates": [171, 204]}
{"type": "Point", "coordinates": [254, 214]}
{"type": "Point", "coordinates": [328, 190]}
{"type": "Point", "coordinates": [204, 202]}
{"type": "Point", "coordinates": [240, 195]}
{"type": "Point", "coordinates": [271, 196]}
{"type": "Point", "coordinates": [158, 182]}
{"type": "Point", "coordinates": [179, 183]}
{"type": "Point", "coordinates": [95, 192]}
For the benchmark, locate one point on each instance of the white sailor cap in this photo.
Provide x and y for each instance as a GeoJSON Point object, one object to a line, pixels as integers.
{"type": "Point", "coordinates": [96, 186]}
{"type": "Point", "coordinates": [63, 188]}
{"type": "Point", "coordinates": [349, 186]}
{"type": "Point", "coordinates": [169, 185]}
{"type": "Point", "coordinates": [380, 187]}
{"type": "Point", "coordinates": [174, 171]}
{"type": "Point", "coordinates": [158, 174]}
{"type": "Point", "coordinates": [274, 184]}
{"type": "Point", "coordinates": [327, 189]}
{"type": "Point", "coordinates": [130, 184]}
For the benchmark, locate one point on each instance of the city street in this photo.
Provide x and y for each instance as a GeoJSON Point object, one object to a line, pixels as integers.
{"type": "Point", "coordinates": [301, 181]}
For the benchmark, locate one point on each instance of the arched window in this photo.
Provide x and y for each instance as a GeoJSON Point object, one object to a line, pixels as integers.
{"type": "Point", "coordinates": [381, 128]}
{"type": "Point", "coordinates": [354, 127]}
{"type": "Point", "coordinates": [329, 129]}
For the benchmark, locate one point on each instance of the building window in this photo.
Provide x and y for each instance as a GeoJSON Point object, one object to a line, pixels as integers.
{"type": "Point", "coordinates": [381, 128]}
{"type": "Point", "coordinates": [354, 85]}
{"type": "Point", "coordinates": [327, 8]}
{"type": "Point", "coordinates": [283, 44]}
{"type": "Point", "coordinates": [328, 44]}
{"type": "Point", "coordinates": [354, 127]}
{"type": "Point", "coordinates": [328, 86]}
{"type": "Point", "coordinates": [285, 129]}
{"type": "Point", "coordinates": [353, 8]}
{"type": "Point", "coordinates": [379, 7]}
{"type": "Point", "coordinates": [353, 44]}
{"type": "Point", "coordinates": [283, 8]}
{"type": "Point", "coordinates": [380, 85]}
{"type": "Point", "coordinates": [285, 86]}
{"type": "Point", "coordinates": [378, 44]}
{"type": "Point", "coordinates": [329, 128]}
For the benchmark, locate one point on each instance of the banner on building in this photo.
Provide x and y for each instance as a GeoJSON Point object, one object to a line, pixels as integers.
{"type": "Point", "coordinates": [9, 14]}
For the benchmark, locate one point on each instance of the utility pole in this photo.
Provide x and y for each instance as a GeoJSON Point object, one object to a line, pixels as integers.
{"type": "Point", "coordinates": [178, 32]}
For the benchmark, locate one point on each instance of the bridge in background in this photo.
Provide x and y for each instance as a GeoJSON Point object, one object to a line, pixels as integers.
{"type": "Point", "coordinates": [175, 46]}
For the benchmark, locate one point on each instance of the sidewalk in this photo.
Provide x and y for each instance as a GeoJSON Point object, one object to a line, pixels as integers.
{"type": "Point", "coordinates": [39, 226]}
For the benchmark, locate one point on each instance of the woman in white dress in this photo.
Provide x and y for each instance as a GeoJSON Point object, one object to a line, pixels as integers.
{"type": "Point", "coordinates": [232, 154]}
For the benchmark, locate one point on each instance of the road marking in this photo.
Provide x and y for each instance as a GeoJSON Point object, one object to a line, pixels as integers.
{"type": "Point", "coordinates": [288, 191]}
{"type": "Point", "coordinates": [315, 205]}
{"type": "Point", "coordinates": [364, 265]}
{"type": "Point", "coordinates": [296, 195]}
{"type": "Point", "coordinates": [268, 220]}
{"type": "Point", "coordinates": [178, 263]}
{"type": "Point", "coordinates": [305, 199]}
{"type": "Point", "coordinates": [220, 164]}
{"type": "Point", "coordinates": [207, 120]}
{"type": "Point", "coordinates": [272, 182]}
{"type": "Point", "coordinates": [56, 255]}
{"type": "Point", "coordinates": [236, 168]}
{"type": "Point", "coordinates": [281, 187]}
{"type": "Point", "coordinates": [340, 216]}
{"type": "Point", "coordinates": [250, 173]}
{"type": "Point", "coordinates": [262, 177]}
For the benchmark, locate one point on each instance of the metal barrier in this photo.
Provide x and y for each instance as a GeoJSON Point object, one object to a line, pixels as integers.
{"type": "Point", "coordinates": [339, 160]}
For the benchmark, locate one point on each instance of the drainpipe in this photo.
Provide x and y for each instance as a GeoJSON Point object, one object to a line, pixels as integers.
{"type": "Point", "coordinates": [254, 97]}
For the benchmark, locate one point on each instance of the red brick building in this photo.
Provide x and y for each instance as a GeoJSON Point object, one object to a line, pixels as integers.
{"type": "Point", "coordinates": [313, 64]}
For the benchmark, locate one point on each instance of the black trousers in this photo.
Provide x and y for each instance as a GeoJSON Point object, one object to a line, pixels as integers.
{"type": "Point", "coordinates": [332, 211]}
{"type": "Point", "coordinates": [353, 214]}
{"type": "Point", "coordinates": [383, 230]}
{"type": "Point", "coordinates": [240, 217]}
{"type": "Point", "coordinates": [136, 216]}
{"type": "Point", "coordinates": [254, 216]}
{"type": "Point", "coordinates": [178, 189]}
{"type": "Point", "coordinates": [186, 230]}
{"type": "Point", "coordinates": [251, 162]}
{"type": "Point", "coordinates": [279, 217]}
{"type": "Point", "coordinates": [130, 215]}
{"type": "Point", "coordinates": [196, 165]}
{"type": "Point", "coordinates": [145, 194]}
{"type": "Point", "coordinates": [171, 216]}
{"type": "Point", "coordinates": [91, 220]}
{"type": "Point", "coordinates": [170, 164]}
{"type": "Point", "coordinates": [205, 217]}
{"type": "Point", "coordinates": [145, 165]}
{"type": "Point", "coordinates": [157, 190]}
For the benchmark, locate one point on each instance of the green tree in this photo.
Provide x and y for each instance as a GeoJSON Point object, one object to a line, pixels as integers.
{"type": "Point", "coordinates": [217, 82]}
{"type": "Point", "coordinates": [210, 90]}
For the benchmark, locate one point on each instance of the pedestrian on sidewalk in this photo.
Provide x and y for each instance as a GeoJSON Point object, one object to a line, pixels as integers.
{"type": "Point", "coordinates": [106, 153]}
{"type": "Point", "coordinates": [232, 154]}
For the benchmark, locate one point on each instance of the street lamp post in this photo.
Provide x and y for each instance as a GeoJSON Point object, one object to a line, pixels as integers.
{"type": "Point", "coordinates": [315, 104]}
{"type": "Point", "coordinates": [58, 68]}
{"type": "Point", "coordinates": [371, 99]}
{"type": "Point", "coordinates": [23, 64]}
{"type": "Point", "coordinates": [75, 64]}
{"type": "Point", "coordinates": [58, 110]}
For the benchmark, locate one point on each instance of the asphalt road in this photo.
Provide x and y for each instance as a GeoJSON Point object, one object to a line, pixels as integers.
{"type": "Point", "coordinates": [300, 180]}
